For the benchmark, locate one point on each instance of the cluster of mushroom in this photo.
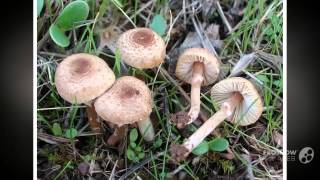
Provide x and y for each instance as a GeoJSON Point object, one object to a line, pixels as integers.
{"type": "Point", "coordinates": [237, 98]}
{"type": "Point", "coordinates": [84, 78]}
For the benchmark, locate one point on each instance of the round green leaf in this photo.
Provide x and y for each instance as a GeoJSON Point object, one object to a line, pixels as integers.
{"type": "Point", "coordinates": [133, 135]}
{"type": "Point", "coordinates": [71, 133]}
{"type": "Point", "coordinates": [218, 144]}
{"type": "Point", "coordinates": [133, 144]}
{"type": "Point", "coordinates": [138, 149]}
{"type": "Point", "coordinates": [58, 36]}
{"type": "Point", "coordinates": [157, 143]}
{"type": "Point", "coordinates": [74, 12]}
{"type": "Point", "coordinates": [159, 24]}
{"type": "Point", "coordinates": [56, 129]}
{"type": "Point", "coordinates": [39, 6]}
{"type": "Point", "coordinates": [130, 154]}
{"type": "Point", "coordinates": [141, 155]}
{"type": "Point", "coordinates": [202, 148]}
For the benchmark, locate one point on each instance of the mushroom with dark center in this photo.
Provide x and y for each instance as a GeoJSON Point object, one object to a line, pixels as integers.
{"type": "Point", "coordinates": [126, 102]}
{"type": "Point", "coordinates": [198, 67]}
{"type": "Point", "coordinates": [141, 48]}
{"type": "Point", "coordinates": [239, 103]}
{"type": "Point", "coordinates": [80, 78]}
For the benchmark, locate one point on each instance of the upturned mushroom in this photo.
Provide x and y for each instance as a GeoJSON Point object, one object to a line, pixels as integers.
{"type": "Point", "coordinates": [80, 78]}
{"type": "Point", "coordinates": [141, 48]}
{"type": "Point", "coordinates": [126, 102]}
{"type": "Point", "coordinates": [198, 67]}
{"type": "Point", "coordinates": [239, 102]}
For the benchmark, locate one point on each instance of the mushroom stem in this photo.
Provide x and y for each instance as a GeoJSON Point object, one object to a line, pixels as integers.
{"type": "Point", "coordinates": [196, 138]}
{"type": "Point", "coordinates": [146, 129]}
{"type": "Point", "coordinates": [93, 118]}
{"type": "Point", "coordinates": [197, 79]}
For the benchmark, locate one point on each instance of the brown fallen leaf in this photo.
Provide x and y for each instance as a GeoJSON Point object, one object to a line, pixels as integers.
{"type": "Point", "coordinates": [117, 136]}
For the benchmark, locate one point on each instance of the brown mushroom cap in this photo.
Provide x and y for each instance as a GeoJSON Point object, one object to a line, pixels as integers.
{"type": "Point", "coordinates": [250, 108]}
{"type": "Point", "coordinates": [82, 77]}
{"type": "Point", "coordinates": [192, 55]}
{"type": "Point", "coordinates": [126, 102]}
{"type": "Point", "coordinates": [141, 48]}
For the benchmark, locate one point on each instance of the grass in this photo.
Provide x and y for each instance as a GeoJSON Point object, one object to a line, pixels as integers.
{"type": "Point", "coordinates": [259, 28]}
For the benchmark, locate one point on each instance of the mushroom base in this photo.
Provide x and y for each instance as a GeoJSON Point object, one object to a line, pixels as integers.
{"type": "Point", "coordinates": [178, 152]}
{"type": "Point", "coordinates": [146, 129]}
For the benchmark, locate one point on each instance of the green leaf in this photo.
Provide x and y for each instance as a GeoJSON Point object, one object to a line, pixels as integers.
{"type": "Point", "coordinates": [202, 148]}
{"type": "Point", "coordinates": [263, 78]}
{"type": "Point", "coordinates": [133, 135]}
{"type": "Point", "coordinates": [138, 149]}
{"type": "Point", "coordinates": [133, 144]}
{"type": "Point", "coordinates": [157, 143]}
{"type": "Point", "coordinates": [103, 7]}
{"type": "Point", "coordinates": [39, 6]}
{"type": "Point", "coordinates": [159, 25]}
{"type": "Point", "coordinates": [277, 83]}
{"type": "Point", "coordinates": [117, 64]}
{"type": "Point", "coordinates": [218, 144]}
{"type": "Point", "coordinates": [56, 129]}
{"type": "Point", "coordinates": [73, 13]}
{"type": "Point", "coordinates": [141, 155]}
{"type": "Point", "coordinates": [130, 154]}
{"type": "Point", "coordinates": [58, 36]}
{"type": "Point", "coordinates": [71, 133]}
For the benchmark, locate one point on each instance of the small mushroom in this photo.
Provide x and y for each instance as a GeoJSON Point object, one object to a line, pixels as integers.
{"type": "Point", "coordinates": [198, 67]}
{"type": "Point", "coordinates": [126, 102]}
{"type": "Point", "coordinates": [141, 48]}
{"type": "Point", "coordinates": [239, 101]}
{"type": "Point", "coordinates": [80, 78]}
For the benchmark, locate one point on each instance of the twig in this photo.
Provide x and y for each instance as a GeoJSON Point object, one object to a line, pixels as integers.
{"type": "Point", "coordinates": [59, 108]}
{"type": "Point", "coordinates": [247, 158]}
{"type": "Point", "coordinates": [53, 139]}
{"type": "Point", "coordinates": [226, 22]}
{"type": "Point", "coordinates": [113, 170]}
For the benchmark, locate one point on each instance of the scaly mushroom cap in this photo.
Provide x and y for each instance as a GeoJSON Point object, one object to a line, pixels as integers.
{"type": "Point", "coordinates": [189, 57]}
{"type": "Point", "coordinates": [82, 77]}
{"type": "Point", "coordinates": [250, 108]}
{"type": "Point", "coordinates": [141, 48]}
{"type": "Point", "coordinates": [126, 102]}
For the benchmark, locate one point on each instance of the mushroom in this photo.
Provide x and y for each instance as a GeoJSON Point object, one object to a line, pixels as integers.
{"type": "Point", "coordinates": [141, 48]}
{"type": "Point", "coordinates": [198, 67]}
{"type": "Point", "coordinates": [239, 102]}
{"type": "Point", "coordinates": [80, 78]}
{"type": "Point", "coordinates": [126, 102]}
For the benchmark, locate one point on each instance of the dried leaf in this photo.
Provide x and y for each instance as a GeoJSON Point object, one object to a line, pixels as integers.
{"type": "Point", "coordinates": [211, 37]}
{"type": "Point", "coordinates": [243, 63]}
